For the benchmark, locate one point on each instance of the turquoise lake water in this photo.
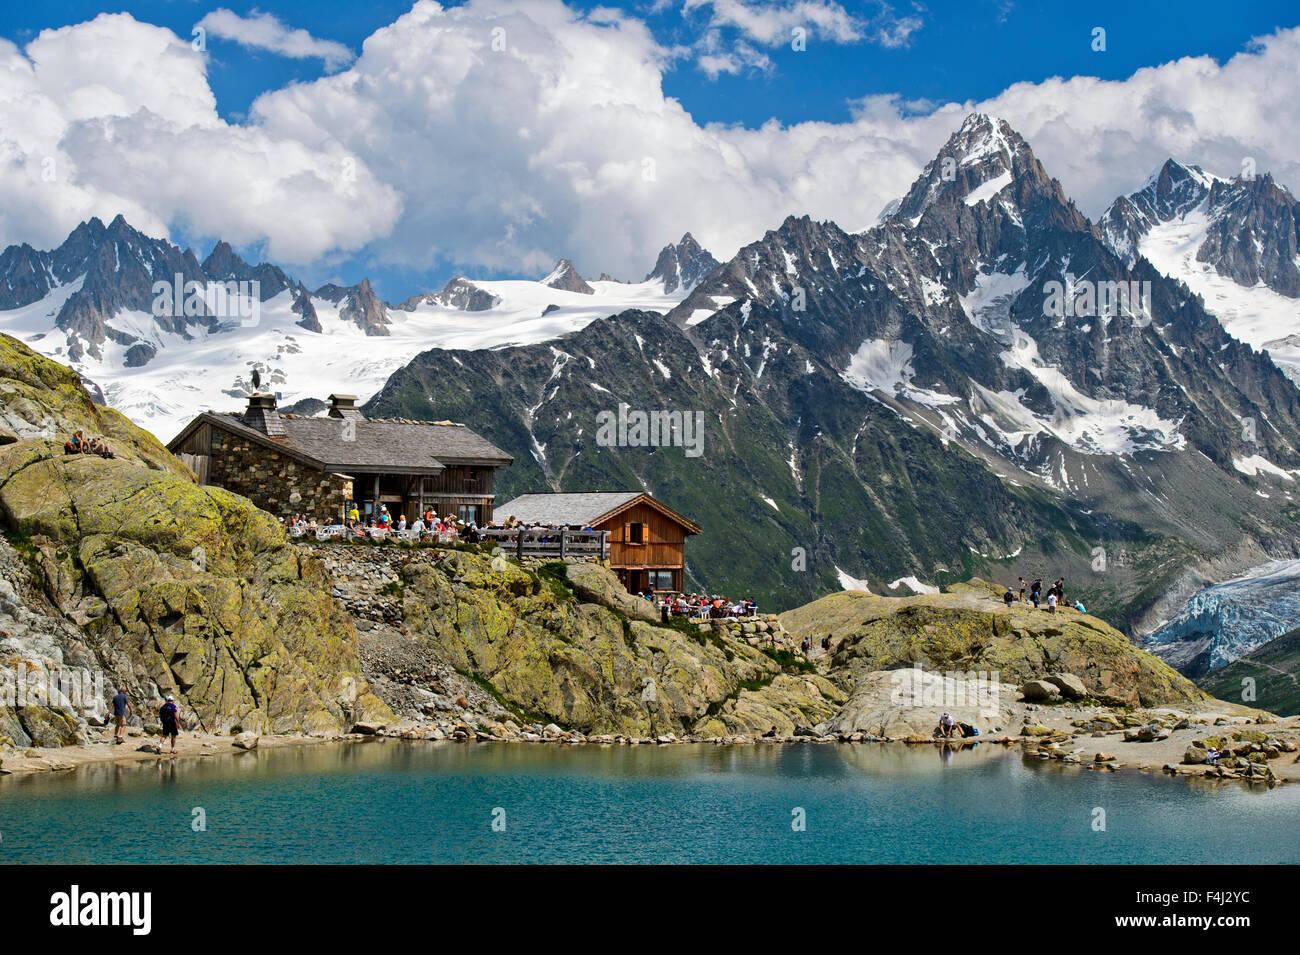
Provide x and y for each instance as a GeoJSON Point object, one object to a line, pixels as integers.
{"type": "Point", "coordinates": [398, 802]}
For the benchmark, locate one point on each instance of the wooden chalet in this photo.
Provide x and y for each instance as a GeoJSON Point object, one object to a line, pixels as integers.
{"type": "Point", "coordinates": [322, 466]}
{"type": "Point", "coordinates": [647, 538]}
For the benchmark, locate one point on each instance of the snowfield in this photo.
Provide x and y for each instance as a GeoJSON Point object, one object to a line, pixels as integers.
{"type": "Point", "coordinates": [211, 369]}
{"type": "Point", "coordinates": [1258, 316]}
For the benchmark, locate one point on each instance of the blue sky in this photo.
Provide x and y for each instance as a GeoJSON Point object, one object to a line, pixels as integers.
{"type": "Point", "coordinates": [959, 52]}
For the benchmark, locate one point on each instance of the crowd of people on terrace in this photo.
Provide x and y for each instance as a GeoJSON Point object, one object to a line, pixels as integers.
{"type": "Point", "coordinates": [80, 444]}
{"type": "Point", "coordinates": [1055, 596]}
{"type": "Point", "coordinates": [700, 605]}
{"type": "Point", "coordinates": [426, 526]}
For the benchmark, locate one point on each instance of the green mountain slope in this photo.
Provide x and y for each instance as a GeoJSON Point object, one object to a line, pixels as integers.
{"type": "Point", "coordinates": [1275, 670]}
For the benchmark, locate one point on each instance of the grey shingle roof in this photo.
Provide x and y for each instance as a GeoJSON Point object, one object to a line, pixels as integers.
{"type": "Point", "coordinates": [390, 443]}
{"type": "Point", "coordinates": [383, 444]}
{"type": "Point", "coordinates": [581, 508]}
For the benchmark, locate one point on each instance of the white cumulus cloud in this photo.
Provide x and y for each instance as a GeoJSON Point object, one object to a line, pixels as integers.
{"type": "Point", "coordinates": [500, 135]}
{"type": "Point", "coordinates": [264, 31]}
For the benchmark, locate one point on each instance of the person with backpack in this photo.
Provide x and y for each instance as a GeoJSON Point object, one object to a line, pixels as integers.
{"type": "Point", "coordinates": [1008, 598]}
{"type": "Point", "coordinates": [169, 716]}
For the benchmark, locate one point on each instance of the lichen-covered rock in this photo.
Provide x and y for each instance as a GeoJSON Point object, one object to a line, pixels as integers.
{"type": "Point", "coordinates": [174, 588]}
{"type": "Point", "coordinates": [568, 645]}
{"type": "Point", "coordinates": [1070, 686]}
{"type": "Point", "coordinates": [594, 584]}
{"type": "Point", "coordinates": [788, 703]}
{"type": "Point", "coordinates": [970, 629]}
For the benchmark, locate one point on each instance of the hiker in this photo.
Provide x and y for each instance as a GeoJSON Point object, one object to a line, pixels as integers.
{"type": "Point", "coordinates": [169, 715]}
{"type": "Point", "coordinates": [946, 725]}
{"type": "Point", "coordinates": [1051, 602]}
{"type": "Point", "coordinates": [1078, 605]}
{"type": "Point", "coordinates": [826, 643]}
{"type": "Point", "coordinates": [121, 710]}
{"type": "Point", "coordinates": [665, 609]}
{"type": "Point", "coordinates": [1022, 589]}
{"type": "Point", "coordinates": [1008, 598]}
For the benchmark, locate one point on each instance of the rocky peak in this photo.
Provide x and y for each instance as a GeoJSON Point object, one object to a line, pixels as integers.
{"type": "Point", "coordinates": [223, 262]}
{"type": "Point", "coordinates": [460, 293]}
{"type": "Point", "coordinates": [683, 265]}
{"type": "Point", "coordinates": [1169, 193]}
{"type": "Point", "coordinates": [363, 308]}
{"type": "Point", "coordinates": [1250, 233]}
{"type": "Point", "coordinates": [987, 179]}
{"type": "Point", "coordinates": [305, 310]}
{"type": "Point", "coordinates": [25, 276]}
{"type": "Point", "coordinates": [1253, 234]}
{"type": "Point", "coordinates": [566, 278]}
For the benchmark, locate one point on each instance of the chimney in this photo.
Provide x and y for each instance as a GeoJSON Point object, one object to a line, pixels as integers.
{"type": "Point", "coordinates": [262, 416]}
{"type": "Point", "coordinates": [344, 406]}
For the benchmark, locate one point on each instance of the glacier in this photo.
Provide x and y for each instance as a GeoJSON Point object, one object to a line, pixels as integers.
{"type": "Point", "coordinates": [1228, 620]}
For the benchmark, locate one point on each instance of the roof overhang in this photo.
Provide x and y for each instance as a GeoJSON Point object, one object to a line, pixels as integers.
{"type": "Point", "coordinates": [682, 519]}
{"type": "Point", "coordinates": [257, 437]}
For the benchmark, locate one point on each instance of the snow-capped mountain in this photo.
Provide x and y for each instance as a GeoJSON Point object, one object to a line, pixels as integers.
{"type": "Point", "coordinates": [979, 383]}
{"type": "Point", "coordinates": [989, 307]}
{"type": "Point", "coordinates": [682, 266]}
{"type": "Point", "coordinates": [565, 277]}
{"type": "Point", "coordinates": [1231, 241]}
{"type": "Point", "coordinates": [162, 336]}
{"type": "Point", "coordinates": [984, 382]}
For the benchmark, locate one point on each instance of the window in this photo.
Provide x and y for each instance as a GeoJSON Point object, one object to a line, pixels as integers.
{"type": "Point", "coordinates": [661, 579]}
{"type": "Point", "coordinates": [468, 513]}
{"type": "Point", "coordinates": [636, 533]}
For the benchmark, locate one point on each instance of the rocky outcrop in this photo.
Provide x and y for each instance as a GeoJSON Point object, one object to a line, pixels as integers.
{"type": "Point", "coordinates": [682, 266]}
{"type": "Point", "coordinates": [970, 629]}
{"type": "Point", "coordinates": [559, 643]}
{"type": "Point", "coordinates": [566, 278]}
{"type": "Point", "coordinates": [909, 702]}
{"type": "Point", "coordinates": [459, 293]}
{"type": "Point", "coordinates": [171, 587]}
{"type": "Point", "coordinates": [358, 304]}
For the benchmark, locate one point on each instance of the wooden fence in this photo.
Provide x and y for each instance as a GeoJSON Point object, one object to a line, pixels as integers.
{"type": "Point", "coordinates": [548, 541]}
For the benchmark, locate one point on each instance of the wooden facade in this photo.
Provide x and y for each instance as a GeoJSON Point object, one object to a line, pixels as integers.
{"type": "Point", "coordinates": [462, 492]}
{"type": "Point", "coordinates": [647, 548]}
{"type": "Point", "coordinates": [646, 538]}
